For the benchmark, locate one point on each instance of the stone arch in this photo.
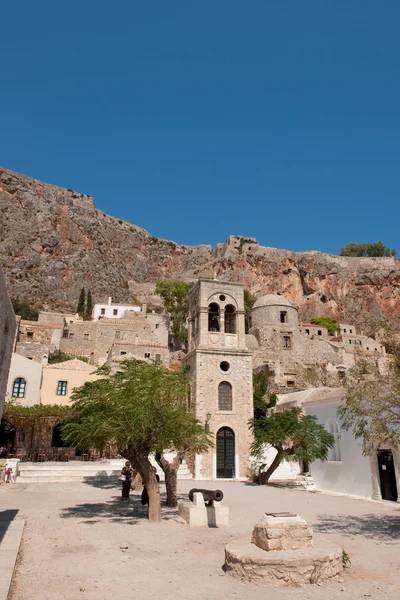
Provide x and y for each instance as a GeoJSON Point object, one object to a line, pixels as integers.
{"type": "Point", "coordinates": [230, 319]}
{"type": "Point", "coordinates": [213, 316]}
{"type": "Point", "coordinates": [334, 453]}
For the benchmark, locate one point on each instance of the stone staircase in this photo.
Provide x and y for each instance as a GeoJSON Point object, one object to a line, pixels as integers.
{"type": "Point", "coordinates": [76, 470]}
{"type": "Point", "coordinates": [302, 482]}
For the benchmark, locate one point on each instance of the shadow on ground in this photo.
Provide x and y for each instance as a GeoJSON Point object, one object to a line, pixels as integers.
{"type": "Point", "coordinates": [385, 528]}
{"type": "Point", "coordinates": [103, 483]}
{"type": "Point", "coordinates": [116, 510]}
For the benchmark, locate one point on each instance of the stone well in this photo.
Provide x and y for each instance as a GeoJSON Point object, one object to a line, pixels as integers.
{"type": "Point", "coordinates": [282, 553]}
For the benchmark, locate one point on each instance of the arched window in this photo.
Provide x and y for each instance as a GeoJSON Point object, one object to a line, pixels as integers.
{"type": "Point", "coordinates": [334, 452]}
{"type": "Point", "coordinates": [224, 396]}
{"type": "Point", "coordinates": [19, 388]}
{"type": "Point", "coordinates": [230, 319]}
{"type": "Point", "coordinates": [213, 317]}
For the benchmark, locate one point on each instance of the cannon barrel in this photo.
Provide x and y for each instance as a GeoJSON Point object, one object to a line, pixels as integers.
{"type": "Point", "coordinates": [208, 495]}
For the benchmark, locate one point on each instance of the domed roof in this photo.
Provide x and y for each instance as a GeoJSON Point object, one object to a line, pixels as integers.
{"type": "Point", "coordinates": [272, 300]}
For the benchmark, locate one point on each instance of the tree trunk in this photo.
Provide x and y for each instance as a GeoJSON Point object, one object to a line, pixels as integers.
{"type": "Point", "coordinates": [264, 477]}
{"type": "Point", "coordinates": [171, 475]}
{"type": "Point", "coordinates": [145, 468]}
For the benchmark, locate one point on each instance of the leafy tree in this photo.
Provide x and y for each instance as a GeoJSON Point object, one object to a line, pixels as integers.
{"type": "Point", "coordinates": [372, 404]}
{"type": "Point", "coordinates": [80, 309]}
{"type": "Point", "coordinates": [58, 356]}
{"type": "Point", "coordinates": [175, 296]}
{"type": "Point", "coordinates": [294, 435]}
{"type": "Point", "coordinates": [328, 322]}
{"type": "Point", "coordinates": [141, 409]}
{"type": "Point", "coordinates": [372, 250]}
{"type": "Point", "coordinates": [23, 309]}
{"type": "Point", "coordinates": [89, 306]}
{"type": "Point", "coordinates": [249, 300]}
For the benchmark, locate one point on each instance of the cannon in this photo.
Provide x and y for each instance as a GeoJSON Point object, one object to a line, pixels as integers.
{"type": "Point", "coordinates": [209, 495]}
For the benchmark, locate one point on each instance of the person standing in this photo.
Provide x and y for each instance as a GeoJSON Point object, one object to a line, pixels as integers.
{"type": "Point", "coordinates": [126, 483]}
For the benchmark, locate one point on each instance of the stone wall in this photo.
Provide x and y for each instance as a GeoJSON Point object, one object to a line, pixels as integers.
{"type": "Point", "coordinates": [7, 335]}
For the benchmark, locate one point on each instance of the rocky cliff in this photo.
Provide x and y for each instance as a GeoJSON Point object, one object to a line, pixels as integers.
{"type": "Point", "coordinates": [53, 241]}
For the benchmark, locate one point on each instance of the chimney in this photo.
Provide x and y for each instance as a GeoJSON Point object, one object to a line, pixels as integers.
{"type": "Point", "coordinates": [144, 308]}
{"type": "Point", "coordinates": [109, 300]}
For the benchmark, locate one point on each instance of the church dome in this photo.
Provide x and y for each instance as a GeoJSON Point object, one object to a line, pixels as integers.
{"type": "Point", "coordinates": [272, 300]}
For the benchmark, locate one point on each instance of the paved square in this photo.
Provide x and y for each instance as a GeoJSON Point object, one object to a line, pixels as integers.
{"type": "Point", "coordinates": [75, 534]}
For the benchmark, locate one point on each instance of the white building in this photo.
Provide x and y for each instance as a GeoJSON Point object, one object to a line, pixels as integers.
{"type": "Point", "coordinates": [347, 470]}
{"type": "Point", "coordinates": [113, 310]}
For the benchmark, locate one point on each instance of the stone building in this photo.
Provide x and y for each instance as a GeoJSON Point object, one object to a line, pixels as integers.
{"type": "Point", "coordinates": [221, 368]}
{"type": "Point", "coordinates": [7, 335]}
{"type": "Point", "coordinates": [60, 379]}
{"type": "Point", "coordinates": [347, 470]}
{"type": "Point", "coordinates": [279, 340]}
{"type": "Point", "coordinates": [114, 310]}
{"type": "Point", "coordinates": [24, 380]}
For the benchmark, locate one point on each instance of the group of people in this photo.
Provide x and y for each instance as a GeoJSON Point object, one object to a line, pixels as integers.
{"type": "Point", "coordinates": [127, 475]}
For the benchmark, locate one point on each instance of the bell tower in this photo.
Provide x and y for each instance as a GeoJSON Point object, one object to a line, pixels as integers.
{"type": "Point", "coordinates": [221, 370]}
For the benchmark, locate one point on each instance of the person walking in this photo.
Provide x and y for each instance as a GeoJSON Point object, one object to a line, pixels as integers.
{"type": "Point", "coordinates": [126, 478]}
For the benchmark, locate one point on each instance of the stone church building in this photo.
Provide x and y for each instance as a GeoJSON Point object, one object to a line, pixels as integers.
{"type": "Point", "coordinates": [221, 369]}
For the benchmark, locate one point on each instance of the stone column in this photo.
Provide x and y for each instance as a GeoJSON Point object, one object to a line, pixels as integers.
{"type": "Point", "coordinates": [376, 486]}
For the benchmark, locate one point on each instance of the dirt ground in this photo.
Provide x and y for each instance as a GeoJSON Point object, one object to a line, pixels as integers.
{"type": "Point", "coordinates": [71, 547]}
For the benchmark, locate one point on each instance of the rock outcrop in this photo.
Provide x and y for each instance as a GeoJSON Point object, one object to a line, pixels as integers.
{"type": "Point", "coordinates": [53, 241]}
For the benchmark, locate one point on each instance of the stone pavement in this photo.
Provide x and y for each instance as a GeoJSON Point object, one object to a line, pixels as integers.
{"type": "Point", "coordinates": [11, 528]}
{"type": "Point", "coordinates": [81, 541]}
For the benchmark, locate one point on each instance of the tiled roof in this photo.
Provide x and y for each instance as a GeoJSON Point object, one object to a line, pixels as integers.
{"type": "Point", "coordinates": [72, 365]}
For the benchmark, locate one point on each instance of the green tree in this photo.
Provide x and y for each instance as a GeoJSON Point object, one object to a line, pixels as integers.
{"type": "Point", "coordinates": [89, 306]}
{"type": "Point", "coordinates": [372, 403]}
{"type": "Point", "coordinates": [23, 309]}
{"type": "Point", "coordinates": [328, 322]}
{"type": "Point", "coordinates": [80, 309]}
{"type": "Point", "coordinates": [175, 296]}
{"type": "Point", "coordinates": [141, 409]}
{"type": "Point", "coordinates": [373, 250]}
{"type": "Point", "coordinates": [294, 435]}
{"type": "Point", "coordinates": [249, 300]}
{"type": "Point", "coordinates": [261, 387]}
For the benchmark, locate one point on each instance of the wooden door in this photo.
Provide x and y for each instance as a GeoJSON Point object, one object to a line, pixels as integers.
{"type": "Point", "coordinates": [225, 453]}
{"type": "Point", "coordinates": [387, 475]}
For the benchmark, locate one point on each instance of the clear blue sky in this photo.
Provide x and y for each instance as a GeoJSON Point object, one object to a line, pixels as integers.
{"type": "Point", "coordinates": [197, 119]}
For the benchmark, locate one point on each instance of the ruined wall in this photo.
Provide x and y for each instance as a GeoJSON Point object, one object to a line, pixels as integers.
{"type": "Point", "coordinates": [7, 335]}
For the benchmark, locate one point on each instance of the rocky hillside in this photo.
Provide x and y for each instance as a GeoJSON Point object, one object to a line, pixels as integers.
{"type": "Point", "coordinates": [53, 241]}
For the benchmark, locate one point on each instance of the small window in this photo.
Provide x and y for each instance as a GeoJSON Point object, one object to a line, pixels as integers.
{"type": "Point", "coordinates": [290, 383]}
{"type": "Point", "coordinates": [65, 333]}
{"type": "Point", "coordinates": [342, 375]}
{"type": "Point", "coordinates": [29, 335]}
{"type": "Point", "coordinates": [283, 316]}
{"type": "Point", "coordinates": [117, 335]}
{"type": "Point", "coordinates": [307, 331]}
{"type": "Point", "coordinates": [122, 353]}
{"type": "Point", "coordinates": [115, 312]}
{"type": "Point", "coordinates": [360, 342]}
{"type": "Point", "coordinates": [376, 349]}
{"type": "Point", "coordinates": [224, 366]}
{"type": "Point", "coordinates": [19, 388]}
{"type": "Point", "coordinates": [350, 330]}
{"type": "Point", "coordinates": [71, 335]}
{"type": "Point", "coordinates": [222, 297]}
{"type": "Point", "coordinates": [287, 342]}
{"type": "Point", "coordinates": [224, 396]}
{"type": "Point", "coordinates": [71, 322]}
{"type": "Point", "coordinates": [319, 332]}
{"type": "Point", "coordinates": [103, 311]}
{"type": "Point", "coordinates": [367, 348]}
{"type": "Point", "coordinates": [85, 336]}
{"type": "Point", "coordinates": [158, 357]}
{"type": "Point", "coordinates": [344, 331]}
{"type": "Point", "coordinates": [157, 325]}
{"type": "Point", "coordinates": [62, 388]}
{"type": "Point", "coordinates": [147, 354]}
{"type": "Point", "coordinates": [349, 341]}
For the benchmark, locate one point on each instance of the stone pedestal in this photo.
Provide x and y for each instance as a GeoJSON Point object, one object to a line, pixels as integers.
{"type": "Point", "coordinates": [217, 515]}
{"type": "Point", "coordinates": [282, 552]}
{"type": "Point", "coordinates": [194, 513]}
{"type": "Point", "coordinates": [282, 533]}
